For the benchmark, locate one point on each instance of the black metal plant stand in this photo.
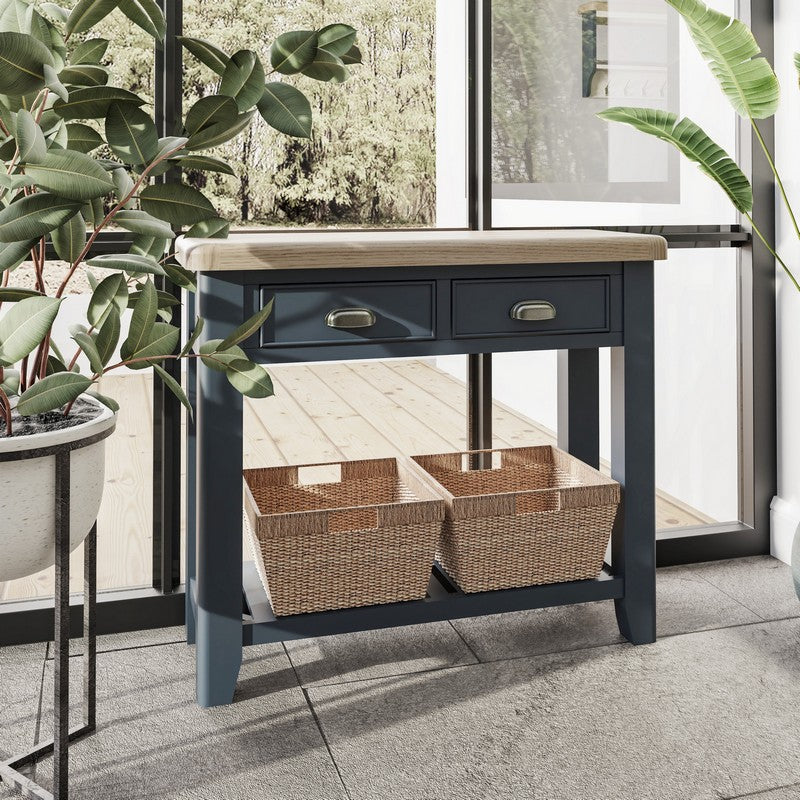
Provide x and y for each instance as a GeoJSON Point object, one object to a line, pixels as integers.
{"type": "Point", "coordinates": [62, 733]}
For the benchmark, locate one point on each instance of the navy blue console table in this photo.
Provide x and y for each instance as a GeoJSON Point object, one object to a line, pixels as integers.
{"type": "Point", "coordinates": [357, 295]}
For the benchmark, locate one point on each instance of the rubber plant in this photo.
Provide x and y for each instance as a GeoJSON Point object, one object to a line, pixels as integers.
{"type": "Point", "coordinates": [82, 155]}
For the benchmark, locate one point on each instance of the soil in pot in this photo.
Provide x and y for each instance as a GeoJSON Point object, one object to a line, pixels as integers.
{"type": "Point", "coordinates": [82, 411]}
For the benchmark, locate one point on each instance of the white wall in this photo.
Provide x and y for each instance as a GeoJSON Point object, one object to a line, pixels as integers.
{"type": "Point", "coordinates": [786, 506]}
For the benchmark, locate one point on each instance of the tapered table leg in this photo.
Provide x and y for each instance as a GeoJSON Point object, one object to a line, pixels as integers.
{"type": "Point", "coordinates": [579, 404]}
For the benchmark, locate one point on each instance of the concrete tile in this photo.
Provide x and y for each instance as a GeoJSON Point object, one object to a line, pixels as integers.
{"type": "Point", "coordinates": [153, 741]}
{"type": "Point", "coordinates": [784, 793]}
{"type": "Point", "coordinates": [761, 583]}
{"type": "Point", "coordinates": [131, 639]}
{"type": "Point", "coordinates": [701, 716]}
{"type": "Point", "coordinates": [375, 654]}
{"type": "Point", "coordinates": [20, 684]}
{"type": "Point", "coordinates": [685, 602]}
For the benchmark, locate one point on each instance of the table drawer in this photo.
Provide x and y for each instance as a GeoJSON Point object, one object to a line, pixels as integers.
{"type": "Point", "coordinates": [349, 313]}
{"type": "Point", "coordinates": [519, 307]}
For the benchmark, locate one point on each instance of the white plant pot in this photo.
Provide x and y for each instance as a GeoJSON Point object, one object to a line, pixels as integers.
{"type": "Point", "coordinates": [27, 494]}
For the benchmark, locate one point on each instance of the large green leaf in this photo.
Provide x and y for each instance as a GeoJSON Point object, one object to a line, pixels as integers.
{"type": "Point", "coordinates": [87, 345]}
{"type": "Point", "coordinates": [108, 402]}
{"type": "Point", "coordinates": [147, 15]}
{"type": "Point", "coordinates": [90, 51]}
{"type": "Point", "coordinates": [53, 82]}
{"type": "Point", "coordinates": [70, 239]}
{"type": "Point", "coordinates": [198, 329]}
{"type": "Point", "coordinates": [52, 392]}
{"type": "Point", "coordinates": [71, 174]}
{"type": "Point", "coordinates": [142, 321]}
{"type": "Point", "coordinates": [151, 246]}
{"type": "Point", "coordinates": [248, 378]}
{"type": "Point", "coordinates": [13, 294]}
{"type": "Point", "coordinates": [30, 139]}
{"type": "Point", "coordinates": [219, 132]}
{"type": "Point", "coordinates": [176, 203]}
{"type": "Point", "coordinates": [108, 336]}
{"type": "Point", "coordinates": [209, 110]}
{"type": "Point", "coordinates": [84, 75]}
{"type": "Point", "coordinates": [24, 326]}
{"type": "Point", "coordinates": [206, 53]}
{"type": "Point", "coordinates": [286, 109]}
{"type": "Point", "coordinates": [142, 222]}
{"type": "Point", "coordinates": [111, 294]}
{"type": "Point", "coordinates": [34, 216]}
{"type": "Point", "coordinates": [174, 387]}
{"type": "Point", "coordinates": [337, 38]}
{"type": "Point", "coordinates": [243, 79]}
{"type": "Point", "coordinates": [248, 327]}
{"type": "Point", "coordinates": [292, 51]}
{"type": "Point", "coordinates": [216, 228]}
{"type": "Point", "coordinates": [82, 138]}
{"type": "Point", "coordinates": [93, 102]}
{"type": "Point", "coordinates": [88, 13]}
{"type": "Point", "coordinates": [203, 163]}
{"type": "Point", "coordinates": [731, 51]}
{"type": "Point", "coordinates": [352, 56]}
{"type": "Point", "coordinates": [327, 67]}
{"type": "Point", "coordinates": [128, 262]}
{"type": "Point", "coordinates": [162, 341]}
{"type": "Point", "coordinates": [124, 187]}
{"type": "Point", "coordinates": [217, 359]}
{"type": "Point", "coordinates": [695, 144]}
{"type": "Point", "coordinates": [180, 276]}
{"type": "Point", "coordinates": [22, 60]}
{"type": "Point", "coordinates": [131, 134]}
{"type": "Point", "coordinates": [12, 254]}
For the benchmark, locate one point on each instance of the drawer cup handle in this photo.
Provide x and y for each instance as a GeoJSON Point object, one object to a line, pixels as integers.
{"type": "Point", "coordinates": [532, 310]}
{"type": "Point", "coordinates": [350, 318]}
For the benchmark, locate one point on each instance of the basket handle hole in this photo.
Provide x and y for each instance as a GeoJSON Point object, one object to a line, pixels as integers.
{"type": "Point", "coordinates": [319, 473]}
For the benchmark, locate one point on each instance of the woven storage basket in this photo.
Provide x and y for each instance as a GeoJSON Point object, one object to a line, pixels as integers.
{"type": "Point", "coordinates": [367, 538]}
{"type": "Point", "coordinates": [539, 516]}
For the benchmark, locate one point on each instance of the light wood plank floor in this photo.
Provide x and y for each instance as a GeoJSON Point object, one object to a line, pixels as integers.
{"type": "Point", "coordinates": [320, 412]}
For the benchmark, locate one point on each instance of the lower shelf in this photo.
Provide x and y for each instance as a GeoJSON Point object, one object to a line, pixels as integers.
{"type": "Point", "coordinates": [261, 626]}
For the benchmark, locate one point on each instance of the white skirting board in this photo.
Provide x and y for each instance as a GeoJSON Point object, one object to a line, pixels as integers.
{"type": "Point", "coordinates": [784, 522]}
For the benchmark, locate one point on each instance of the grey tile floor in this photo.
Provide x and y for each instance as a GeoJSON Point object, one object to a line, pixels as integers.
{"type": "Point", "coordinates": [544, 704]}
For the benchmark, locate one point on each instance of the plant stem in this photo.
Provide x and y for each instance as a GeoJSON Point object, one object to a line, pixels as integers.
{"type": "Point", "coordinates": [772, 251]}
{"type": "Point", "coordinates": [6, 404]}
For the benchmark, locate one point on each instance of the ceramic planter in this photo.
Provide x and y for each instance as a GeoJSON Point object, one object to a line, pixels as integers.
{"type": "Point", "coordinates": [27, 494]}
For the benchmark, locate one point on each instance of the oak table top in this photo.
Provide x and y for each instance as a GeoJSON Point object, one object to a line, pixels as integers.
{"type": "Point", "coordinates": [402, 248]}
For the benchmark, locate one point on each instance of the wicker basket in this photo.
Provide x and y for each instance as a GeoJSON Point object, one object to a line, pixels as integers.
{"type": "Point", "coordinates": [367, 537]}
{"type": "Point", "coordinates": [539, 516]}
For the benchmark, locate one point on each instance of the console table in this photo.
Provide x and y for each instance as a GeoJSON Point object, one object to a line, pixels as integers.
{"type": "Point", "coordinates": [366, 294]}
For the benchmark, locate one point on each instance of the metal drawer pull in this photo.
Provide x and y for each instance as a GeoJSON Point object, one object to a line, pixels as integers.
{"type": "Point", "coordinates": [529, 310]}
{"type": "Point", "coordinates": [350, 318]}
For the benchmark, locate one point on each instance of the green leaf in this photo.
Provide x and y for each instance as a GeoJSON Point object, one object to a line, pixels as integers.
{"type": "Point", "coordinates": [108, 336]}
{"type": "Point", "coordinates": [286, 109]}
{"type": "Point", "coordinates": [142, 321]}
{"type": "Point", "coordinates": [337, 38]}
{"type": "Point", "coordinates": [161, 342]}
{"type": "Point", "coordinates": [57, 137]}
{"type": "Point", "coordinates": [210, 229]}
{"type": "Point", "coordinates": [93, 212]}
{"type": "Point", "coordinates": [30, 139]}
{"type": "Point", "coordinates": [352, 56]}
{"type": "Point", "coordinates": [292, 51]}
{"type": "Point", "coordinates": [208, 110]}
{"type": "Point", "coordinates": [176, 203]}
{"type": "Point", "coordinates": [327, 67]}
{"type": "Point", "coordinates": [206, 53]}
{"type": "Point", "coordinates": [22, 60]}
{"type": "Point", "coordinates": [70, 239]}
{"type": "Point", "coordinates": [730, 50]}
{"type": "Point", "coordinates": [86, 344]}
{"type": "Point", "coordinates": [131, 134]}
{"type": "Point", "coordinates": [12, 294]}
{"type": "Point", "coordinates": [243, 79]}
{"type": "Point", "coordinates": [249, 379]}
{"type": "Point", "coordinates": [219, 132]}
{"type": "Point", "coordinates": [142, 222]}
{"type": "Point", "coordinates": [165, 299]}
{"type": "Point", "coordinates": [70, 174]}
{"type": "Point", "coordinates": [10, 383]}
{"type": "Point", "coordinates": [248, 327]}
{"type": "Point", "coordinates": [150, 246]}
{"type": "Point", "coordinates": [53, 82]}
{"type": "Point", "coordinates": [181, 277]}
{"type": "Point", "coordinates": [24, 326]}
{"type": "Point", "coordinates": [55, 364]}
{"type": "Point", "coordinates": [147, 15]}
{"type": "Point", "coordinates": [220, 359]}
{"type": "Point", "coordinates": [13, 254]}
{"type": "Point", "coordinates": [203, 163]}
{"type": "Point", "coordinates": [15, 182]}
{"type": "Point", "coordinates": [82, 138]}
{"type": "Point", "coordinates": [93, 102]}
{"type": "Point", "coordinates": [54, 391]}
{"type": "Point", "coordinates": [34, 216]}
{"type": "Point", "coordinates": [84, 75]}
{"type": "Point", "coordinates": [128, 262]}
{"type": "Point", "coordinates": [90, 52]}
{"type": "Point", "coordinates": [123, 186]}
{"type": "Point", "coordinates": [198, 329]}
{"type": "Point", "coordinates": [110, 295]}
{"type": "Point", "coordinates": [174, 387]}
{"type": "Point", "coordinates": [108, 402]}
{"type": "Point", "coordinates": [88, 13]}
{"type": "Point", "coordinates": [695, 144]}
{"type": "Point", "coordinates": [55, 12]}
{"type": "Point", "coordinates": [169, 144]}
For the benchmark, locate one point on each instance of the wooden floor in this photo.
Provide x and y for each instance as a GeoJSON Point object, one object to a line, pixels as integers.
{"type": "Point", "coordinates": [320, 412]}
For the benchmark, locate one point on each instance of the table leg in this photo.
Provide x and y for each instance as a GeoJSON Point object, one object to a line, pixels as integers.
{"type": "Point", "coordinates": [579, 404]}
{"type": "Point", "coordinates": [219, 506]}
{"type": "Point", "coordinates": [479, 407]}
{"type": "Point", "coordinates": [191, 480]}
{"type": "Point", "coordinates": [633, 458]}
